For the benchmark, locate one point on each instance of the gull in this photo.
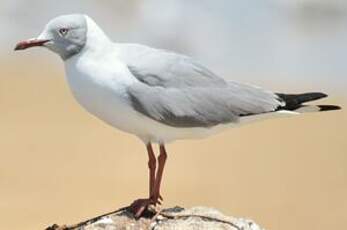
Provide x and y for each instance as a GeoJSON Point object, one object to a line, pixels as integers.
{"type": "Point", "coordinates": [157, 95]}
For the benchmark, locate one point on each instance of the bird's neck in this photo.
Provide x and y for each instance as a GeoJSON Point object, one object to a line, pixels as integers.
{"type": "Point", "coordinates": [96, 38]}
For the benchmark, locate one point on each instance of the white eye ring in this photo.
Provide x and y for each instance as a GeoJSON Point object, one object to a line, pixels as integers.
{"type": "Point", "coordinates": [63, 31]}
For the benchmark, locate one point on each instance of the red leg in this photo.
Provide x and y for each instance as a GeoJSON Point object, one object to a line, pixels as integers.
{"type": "Point", "coordinates": [161, 164]}
{"type": "Point", "coordinates": [152, 167]}
{"type": "Point", "coordinates": [138, 207]}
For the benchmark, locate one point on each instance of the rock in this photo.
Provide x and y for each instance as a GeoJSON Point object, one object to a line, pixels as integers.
{"type": "Point", "coordinates": [167, 219]}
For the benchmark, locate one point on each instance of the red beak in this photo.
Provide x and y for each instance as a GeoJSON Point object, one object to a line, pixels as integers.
{"type": "Point", "coordinates": [30, 43]}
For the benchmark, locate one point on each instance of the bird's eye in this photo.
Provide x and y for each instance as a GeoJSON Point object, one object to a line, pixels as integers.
{"type": "Point", "coordinates": [63, 31]}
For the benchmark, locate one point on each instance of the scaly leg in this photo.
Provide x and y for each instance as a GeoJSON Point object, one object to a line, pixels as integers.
{"type": "Point", "coordinates": [161, 164]}
{"type": "Point", "coordinates": [152, 167]}
{"type": "Point", "coordinates": [139, 206]}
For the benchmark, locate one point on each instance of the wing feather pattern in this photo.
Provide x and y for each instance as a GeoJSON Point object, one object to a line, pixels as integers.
{"type": "Point", "coordinates": [176, 91]}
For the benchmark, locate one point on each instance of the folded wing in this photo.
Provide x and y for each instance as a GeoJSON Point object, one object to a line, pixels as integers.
{"type": "Point", "coordinates": [200, 106]}
{"type": "Point", "coordinates": [176, 91]}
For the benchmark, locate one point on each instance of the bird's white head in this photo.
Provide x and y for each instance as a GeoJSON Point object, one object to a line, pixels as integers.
{"type": "Point", "coordinates": [65, 35]}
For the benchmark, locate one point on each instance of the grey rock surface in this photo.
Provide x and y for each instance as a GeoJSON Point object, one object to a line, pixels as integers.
{"type": "Point", "coordinates": [171, 219]}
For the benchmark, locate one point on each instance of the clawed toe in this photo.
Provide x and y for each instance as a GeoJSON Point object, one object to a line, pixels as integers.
{"type": "Point", "coordinates": [140, 206]}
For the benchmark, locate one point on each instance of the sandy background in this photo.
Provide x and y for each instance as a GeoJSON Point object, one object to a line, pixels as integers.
{"type": "Point", "coordinates": [58, 164]}
{"type": "Point", "coordinates": [61, 165]}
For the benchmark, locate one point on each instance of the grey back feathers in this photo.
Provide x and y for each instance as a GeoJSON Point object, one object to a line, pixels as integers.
{"type": "Point", "coordinates": [68, 35]}
{"type": "Point", "coordinates": [176, 91]}
{"type": "Point", "coordinates": [162, 68]}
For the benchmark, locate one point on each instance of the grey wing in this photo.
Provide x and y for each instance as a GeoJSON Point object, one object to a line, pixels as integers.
{"type": "Point", "coordinates": [156, 67]}
{"type": "Point", "coordinates": [176, 91]}
{"type": "Point", "coordinates": [200, 106]}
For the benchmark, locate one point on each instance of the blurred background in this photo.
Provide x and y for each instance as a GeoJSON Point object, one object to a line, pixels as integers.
{"type": "Point", "coordinates": [58, 164]}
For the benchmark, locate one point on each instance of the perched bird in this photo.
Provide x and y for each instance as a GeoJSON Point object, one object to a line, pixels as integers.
{"type": "Point", "coordinates": [157, 95]}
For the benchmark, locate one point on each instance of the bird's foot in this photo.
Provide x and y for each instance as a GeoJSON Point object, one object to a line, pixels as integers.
{"type": "Point", "coordinates": [145, 207]}
{"type": "Point", "coordinates": [140, 207]}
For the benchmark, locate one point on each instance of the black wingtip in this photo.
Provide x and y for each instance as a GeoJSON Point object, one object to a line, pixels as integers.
{"type": "Point", "coordinates": [295, 101]}
{"type": "Point", "coordinates": [321, 95]}
{"type": "Point", "coordinates": [329, 107]}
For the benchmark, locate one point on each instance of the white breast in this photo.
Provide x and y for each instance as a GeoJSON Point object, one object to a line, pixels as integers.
{"type": "Point", "coordinates": [101, 90]}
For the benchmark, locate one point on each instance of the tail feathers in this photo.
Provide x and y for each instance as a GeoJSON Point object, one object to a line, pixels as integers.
{"type": "Point", "coordinates": [294, 102]}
